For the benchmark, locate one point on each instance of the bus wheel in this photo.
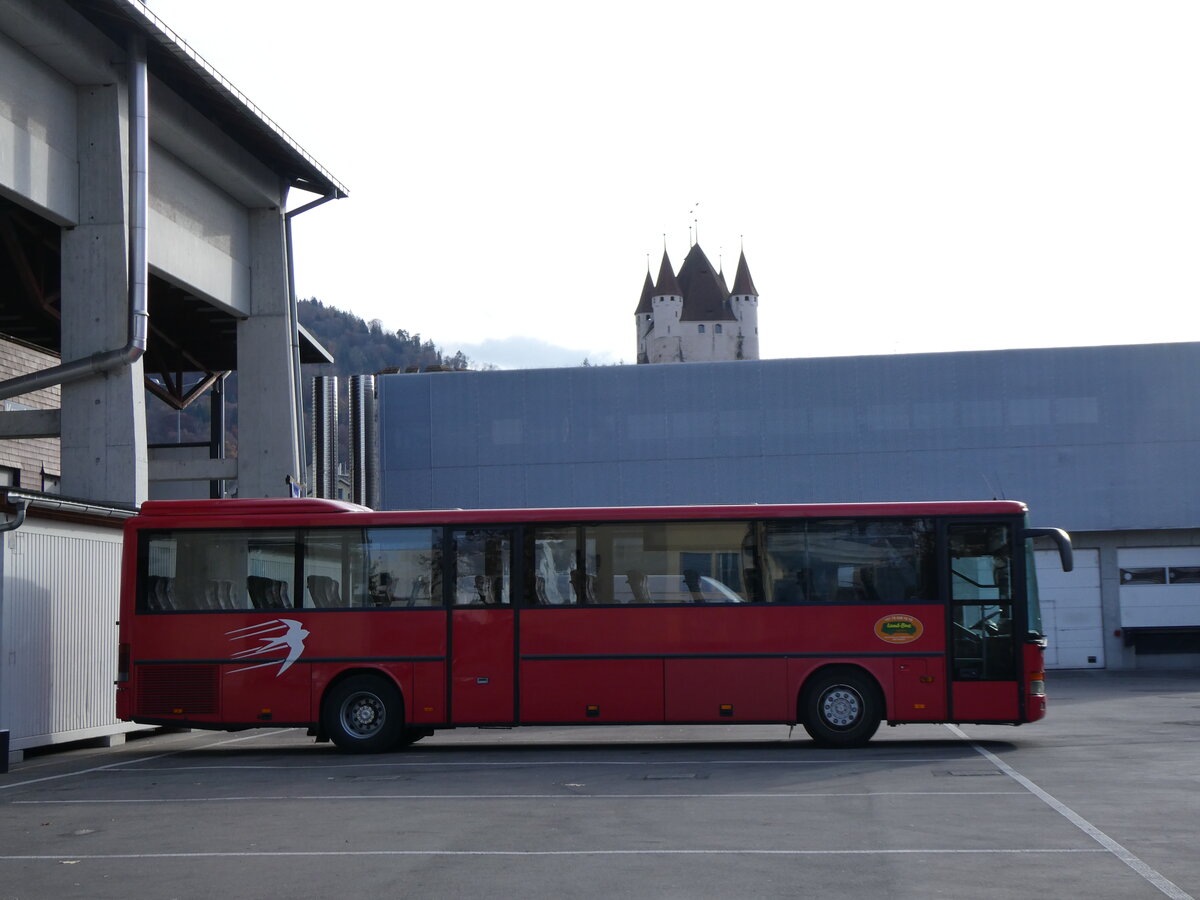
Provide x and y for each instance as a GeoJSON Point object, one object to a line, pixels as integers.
{"type": "Point", "coordinates": [364, 714]}
{"type": "Point", "coordinates": [841, 708]}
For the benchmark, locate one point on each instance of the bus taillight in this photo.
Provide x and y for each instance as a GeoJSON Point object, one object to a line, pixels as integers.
{"type": "Point", "coordinates": [1037, 684]}
{"type": "Point", "coordinates": [122, 663]}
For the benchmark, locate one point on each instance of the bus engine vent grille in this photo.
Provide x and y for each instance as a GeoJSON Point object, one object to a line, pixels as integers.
{"type": "Point", "coordinates": [178, 690]}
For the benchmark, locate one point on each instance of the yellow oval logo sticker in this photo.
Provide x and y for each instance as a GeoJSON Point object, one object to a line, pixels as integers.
{"type": "Point", "coordinates": [898, 629]}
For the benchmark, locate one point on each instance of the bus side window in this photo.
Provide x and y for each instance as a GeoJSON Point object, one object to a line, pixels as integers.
{"type": "Point", "coordinates": [333, 568]}
{"type": "Point", "coordinates": [404, 567]}
{"type": "Point", "coordinates": [482, 567]}
{"type": "Point", "coordinates": [784, 561]}
{"type": "Point", "coordinates": [552, 556]}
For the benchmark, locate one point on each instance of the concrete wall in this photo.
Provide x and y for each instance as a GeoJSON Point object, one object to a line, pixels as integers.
{"type": "Point", "coordinates": [37, 134]}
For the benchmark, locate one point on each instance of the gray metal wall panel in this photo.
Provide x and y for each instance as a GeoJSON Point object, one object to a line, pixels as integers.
{"type": "Point", "coordinates": [1094, 438]}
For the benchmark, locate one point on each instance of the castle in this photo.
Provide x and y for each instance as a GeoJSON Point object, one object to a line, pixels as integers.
{"type": "Point", "coordinates": [693, 316]}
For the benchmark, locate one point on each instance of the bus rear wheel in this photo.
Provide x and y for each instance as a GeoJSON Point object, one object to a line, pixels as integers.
{"type": "Point", "coordinates": [364, 714]}
{"type": "Point", "coordinates": [841, 708]}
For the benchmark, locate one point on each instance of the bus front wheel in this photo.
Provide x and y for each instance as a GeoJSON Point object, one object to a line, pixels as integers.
{"type": "Point", "coordinates": [364, 714]}
{"type": "Point", "coordinates": [841, 707]}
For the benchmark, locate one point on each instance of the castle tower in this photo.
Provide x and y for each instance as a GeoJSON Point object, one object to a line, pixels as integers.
{"type": "Point", "coordinates": [644, 317]}
{"type": "Point", "coordinates": [665, 340]}
{"type": "Point", "coordinates": [743, 301]}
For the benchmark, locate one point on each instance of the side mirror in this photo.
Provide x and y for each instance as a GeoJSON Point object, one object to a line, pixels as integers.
{"type": "Point", "coordinates": [1062, 539]}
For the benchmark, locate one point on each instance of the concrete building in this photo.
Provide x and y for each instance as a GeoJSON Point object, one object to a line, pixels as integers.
{"type": "Point", "coordinates": [144, 251]}
{"type": "Point", "coordinates": [694, 316]}
{"type": "Point", "coordinates": [1102, 441]}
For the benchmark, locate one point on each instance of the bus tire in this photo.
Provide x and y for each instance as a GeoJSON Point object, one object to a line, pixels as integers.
{"type": "Point", "coordinates": [411, 736]}
{"type": "Point", "coordinates": [363, 714]}
{"type": "Point", "coordinates": [841, 707]}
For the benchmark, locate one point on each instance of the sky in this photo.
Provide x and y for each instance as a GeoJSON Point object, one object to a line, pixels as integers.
{"type": "Point", "coordinates": [903, 177]}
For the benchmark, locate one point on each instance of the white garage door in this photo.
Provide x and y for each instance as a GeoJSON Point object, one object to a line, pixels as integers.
{"type": "Point", "coordinates": [1071, 610]}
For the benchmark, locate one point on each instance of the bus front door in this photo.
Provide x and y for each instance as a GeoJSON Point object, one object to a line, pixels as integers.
{"type": "Point", "coordinates": [482, 627]}
{"type": "Point", "coordinates": [984, 669]}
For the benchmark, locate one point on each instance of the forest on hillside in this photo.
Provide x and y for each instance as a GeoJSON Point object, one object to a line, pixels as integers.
{"type": "Point", "coordinates": [358, 348]}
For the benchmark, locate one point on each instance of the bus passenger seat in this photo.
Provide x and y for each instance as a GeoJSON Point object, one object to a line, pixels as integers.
{"type": "Point", "coordinates": [163, 594]}
{"type": "Point", "coordinates": [790, 590]}
{"type": "Point", "coordinates": [325, 592]}
{"type": "Point", "coordinates": [584, 586]}
{"type": "Point", "coordinates": [484, 594]}
{"type": "Point", "coordinates": [274, 594]}
{"type": "Point", "coordinates": [890, 585]}
{"type": "Point", "coordinates": [256, 586]}
{"type": "Point", "coordinates": [637, 581]}
{"type": "Point", "coordinates": [419, 596]}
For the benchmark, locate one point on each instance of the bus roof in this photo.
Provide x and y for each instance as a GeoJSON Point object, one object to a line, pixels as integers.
{"type": "Point", "coordinates": [313, 511]}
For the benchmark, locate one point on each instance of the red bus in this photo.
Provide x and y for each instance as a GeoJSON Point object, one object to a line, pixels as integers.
{"type": "Point", "coordinates": [373, 629]}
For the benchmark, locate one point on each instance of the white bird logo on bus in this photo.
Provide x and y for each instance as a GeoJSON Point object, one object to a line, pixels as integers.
{"type": "Point", "coordinates": [275, 636]}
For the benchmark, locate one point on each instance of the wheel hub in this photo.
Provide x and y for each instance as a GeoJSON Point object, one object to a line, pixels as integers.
{"type": "Point", "coordinates": [841, 707]}
{"type": "Point", "coordinates": [365, 715]}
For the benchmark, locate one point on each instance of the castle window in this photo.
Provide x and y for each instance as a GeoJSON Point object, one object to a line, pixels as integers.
{"type": "Point", "coordinates": [701, 327]}
{"type": "Point", "coordinates": [718, 329]}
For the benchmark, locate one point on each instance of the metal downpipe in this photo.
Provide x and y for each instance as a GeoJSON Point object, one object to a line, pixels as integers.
{"type": "Point", "coordinates": [18, 519]}
{"type": "Point", "coordinates": [139, 317]}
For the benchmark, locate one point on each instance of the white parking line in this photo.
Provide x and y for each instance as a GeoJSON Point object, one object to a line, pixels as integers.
{"type": "Point", "coordinates": [118, 765]}
{"type": "Point", "coordinates": [435, 763]}
{"type": "Point", "coordinates": [569, 795]}
{"type": "Point", "coordinates": [1147, 872]}
{"type": "Point", "coordinates": [987, 851]}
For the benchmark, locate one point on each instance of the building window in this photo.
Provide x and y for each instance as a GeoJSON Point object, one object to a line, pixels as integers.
{"type": "Point", "coordinates": [10, 477]}
{"type": "Point", "coordinates": [1184, 574]}
{"type": "Point", "coordinates": [50, 484]}
{"type": "Point", "coordinates": [719, 329]}
{"type": "Point", "coordinates": [701, 327]}
{"type": "Point", "coordinates": [1154, 575]}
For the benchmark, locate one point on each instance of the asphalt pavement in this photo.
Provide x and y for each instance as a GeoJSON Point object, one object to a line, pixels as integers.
{"type": "Point", "coordinates": [1099, 800]}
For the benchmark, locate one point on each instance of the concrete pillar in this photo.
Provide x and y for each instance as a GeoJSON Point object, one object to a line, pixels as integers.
{"type": "Point", "coordinates": [267, 447]}
{"type": "Point", "coordinates": [103, 417]}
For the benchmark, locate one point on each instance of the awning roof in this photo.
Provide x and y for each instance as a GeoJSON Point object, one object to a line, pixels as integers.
{"type": "Point", "coordinates": [187, 73]}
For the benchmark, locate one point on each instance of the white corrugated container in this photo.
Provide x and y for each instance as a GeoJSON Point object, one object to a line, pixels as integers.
{"type": "Point", "coordinates": [59, 589]}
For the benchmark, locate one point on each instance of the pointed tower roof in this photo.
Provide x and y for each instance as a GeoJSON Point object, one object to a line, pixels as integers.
{"type": "Point", "coordinates": [667, 284]}
{"type": "Point", "coordinates": [742, 282]}
{"type": "Point", "coordinates": [705, 298]}
{"type": "Point", "coordinates": [647, 292]}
